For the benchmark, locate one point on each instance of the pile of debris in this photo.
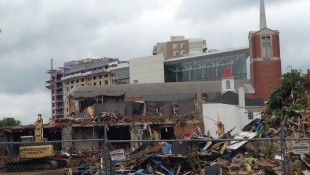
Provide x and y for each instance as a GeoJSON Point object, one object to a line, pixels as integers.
{"type": "Point", "coordinates": [70, 121]}
{"type": "Point", "coordinates": [110, 118]}
{"type": "Point", "coordinates": [105, 117]}
{"type": "Point", "coordinates": [83, 157]}
{"type": "Point", "coordinates": [204, 155]}
{"type": "Point", "coordinates": [5, 160]}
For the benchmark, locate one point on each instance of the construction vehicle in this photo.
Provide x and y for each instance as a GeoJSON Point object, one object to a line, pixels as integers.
{"type": "Point", "coordinates": [33, 152]}
{"type": "Point", "coordinates": [35, 155]}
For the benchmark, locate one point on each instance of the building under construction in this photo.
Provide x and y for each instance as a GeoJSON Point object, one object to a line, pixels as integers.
{"type": "Point", "coordinates": [86, 72]}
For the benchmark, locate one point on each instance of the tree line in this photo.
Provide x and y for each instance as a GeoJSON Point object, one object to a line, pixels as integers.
{"type": "Point", "coordinates": [9, 122]}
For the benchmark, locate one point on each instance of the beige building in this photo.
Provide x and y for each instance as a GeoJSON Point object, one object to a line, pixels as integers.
{"type": "Point", "coordinates": [179, 46]}
{"type": "Point", "coordinates": [87, 72]}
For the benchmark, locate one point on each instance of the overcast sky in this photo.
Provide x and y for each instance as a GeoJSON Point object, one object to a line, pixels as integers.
{"type": "Point", "coordinates": [35, 31]}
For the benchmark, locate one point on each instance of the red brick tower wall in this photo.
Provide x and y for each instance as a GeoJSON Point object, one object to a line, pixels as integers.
{"type": "Point", "coordinates": [265, 74]}
{"type": "Point", "coordinates": [276, 45]}
{"type": "Point", "coordinates": [255, 51]}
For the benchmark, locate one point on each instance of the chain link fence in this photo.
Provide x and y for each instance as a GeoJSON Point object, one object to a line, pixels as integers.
{"type": "Point", "coordinates": [202, 154]}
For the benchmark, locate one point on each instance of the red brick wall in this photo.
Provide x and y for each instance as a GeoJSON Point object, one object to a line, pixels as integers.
{"type": "Point", "coordinates": [252, 75]}
{"type": "Point", "coordinates": [252, 46]}
{"type": "Point", "coordinates": [255, 46]}
{"type": "Point", "coordinates": [267, 75]}
{"type": "Point", "coordinates": [180, 130]}
{"type": "Point", "coordinates": [276, 45]}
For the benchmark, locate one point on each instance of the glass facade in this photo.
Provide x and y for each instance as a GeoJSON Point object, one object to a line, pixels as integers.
{"type": "Point", "coordinates": [121, 75]}
{"type": "Point", "coordinates": [207, 67]}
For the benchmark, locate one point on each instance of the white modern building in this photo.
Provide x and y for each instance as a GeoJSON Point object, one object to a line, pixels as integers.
{"type": "Point", "coordinates": [148, 69]}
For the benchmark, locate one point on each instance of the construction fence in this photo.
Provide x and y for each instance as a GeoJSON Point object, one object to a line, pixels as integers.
{"type": "Point", "coordinates": [194, 155]}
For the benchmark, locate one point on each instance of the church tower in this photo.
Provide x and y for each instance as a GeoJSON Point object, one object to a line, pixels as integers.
{"type": "Point", "coordinates": [228, 81]}
{"type": "Point", "coordinates": [265, 62]}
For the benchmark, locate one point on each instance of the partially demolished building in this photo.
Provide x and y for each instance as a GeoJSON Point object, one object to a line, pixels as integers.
{"type": "Point", "coordinates": [186, 94]}
{"type": "Point", "coordinates": [131, 111]}
{"type": "Point", "coordinates": [93, 94]}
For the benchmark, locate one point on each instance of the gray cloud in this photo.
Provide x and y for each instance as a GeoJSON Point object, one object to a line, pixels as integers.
{"type": "Point", "coordinates": [35, 31]}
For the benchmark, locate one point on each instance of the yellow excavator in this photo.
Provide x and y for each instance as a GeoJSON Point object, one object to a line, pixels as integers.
{"type": "Point", "coordinates": [27, 151]}
{"type": "Point", "coordinates": [34, 155]}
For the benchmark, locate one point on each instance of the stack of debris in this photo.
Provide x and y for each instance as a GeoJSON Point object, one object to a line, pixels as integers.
{"type": "Point", "coordinates": [70, 121]}
{"type": "Point", "coordinates": [105, 117]}
{"type": "Point", "coordinates": [5, 160]}
{"type": "Point", "coordinates": [228, 157]}
{"type": "Point", "coordinates": [111, 118]}
{"type": "Point", "coordinates": [83, 157]}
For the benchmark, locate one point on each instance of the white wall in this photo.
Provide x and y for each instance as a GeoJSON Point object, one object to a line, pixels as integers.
{"type": "Point", "coordinates": [196, 46]}
{"type": "Point", "coordinates": [232, 85]}
{"type": "Point", "coordinates": [147, 69]}
{"type": "Point", "coordinates": [230, 115]}
{"type": "Point", "coordinates": [227, 114]}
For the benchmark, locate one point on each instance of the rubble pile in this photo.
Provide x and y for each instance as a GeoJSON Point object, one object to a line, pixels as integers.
{"type": "Point", "coordinates": [228, 157]}
{"type": "Point", "coordinates": [201, 154]}
{"type": "Point", "coordinates": [5, 160]}
{"type": "Point", "coordinates": [70, 121]}
{"type": "Point", "coordinates": [80, 158]}
{"type": "Point", "coordinates": [110, 118]}
{"type": "Point", "coordinates": [106, 117]}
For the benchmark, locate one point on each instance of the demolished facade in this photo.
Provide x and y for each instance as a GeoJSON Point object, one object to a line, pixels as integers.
{"type": "Point", "coordinates": [147, 111]}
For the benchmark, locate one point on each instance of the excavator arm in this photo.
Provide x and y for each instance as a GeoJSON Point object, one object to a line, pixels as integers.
{"type": "Point", "coordinates": [38, 132]}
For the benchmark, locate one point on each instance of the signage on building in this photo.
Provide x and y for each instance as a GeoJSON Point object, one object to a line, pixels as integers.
{"type": "Point", "coordinates": [301, 148]}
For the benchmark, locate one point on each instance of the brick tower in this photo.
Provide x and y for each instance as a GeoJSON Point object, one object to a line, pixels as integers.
{"type": "Point", "coordinates": [265, 66]}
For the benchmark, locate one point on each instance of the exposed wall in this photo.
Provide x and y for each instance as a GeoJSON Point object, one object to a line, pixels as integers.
{"type": "Point", "coordinates": [66, 134]}
{"type": "Point", "coordinates": [135, 134]}
{"type": "Point", "coordinates": [80, 133]}
{"type": "Point", "coordinates": [74, 107]}
{"type": "Point", "coordinates": [179, 131]}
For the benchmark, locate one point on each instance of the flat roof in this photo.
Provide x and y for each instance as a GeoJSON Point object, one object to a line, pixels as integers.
{"type": "Point", "coordinates": [213, 53]}
{"type": "Point", "coordinates": [138, 90]}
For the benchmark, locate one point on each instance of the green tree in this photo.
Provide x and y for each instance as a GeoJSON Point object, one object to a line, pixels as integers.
{"type": "Point", "coordinates": [9, 122]}
{"type": "Point", "coordinates": [290, 96]}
